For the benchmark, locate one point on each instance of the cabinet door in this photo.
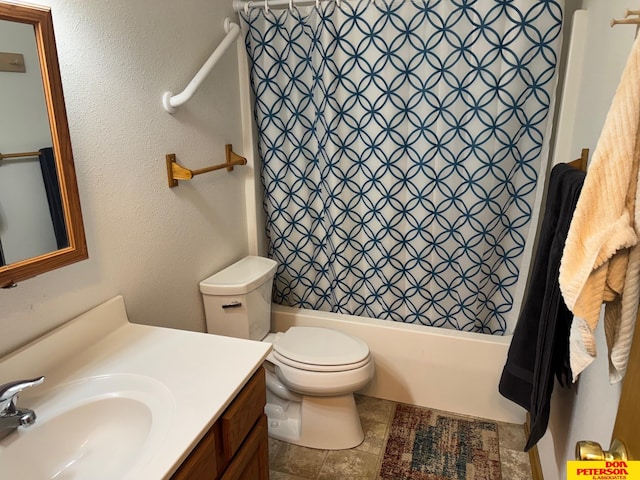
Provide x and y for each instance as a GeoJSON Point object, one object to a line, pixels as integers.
{"type": "Point", "coordinates": [627, 423]}
{"type": "Point", "coordinates": [238, 420]}
{"type": "Point", "coordinates": [202, 463]}
{"type": "Point", "coordinates": [252, 461]}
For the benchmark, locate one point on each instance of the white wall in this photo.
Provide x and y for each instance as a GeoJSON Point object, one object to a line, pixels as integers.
{"type": "Point", "coordinates": [26, 228]}
{"type": "Point", "coordinates": [148, 242]}
{"type": "Point", "coordinates": [587, 412]}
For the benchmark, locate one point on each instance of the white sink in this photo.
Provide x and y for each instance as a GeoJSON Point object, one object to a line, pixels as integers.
{"type": "Point", "coordinates": [108, 407]}
{"type": "Point", "coordinates": [98, 428]}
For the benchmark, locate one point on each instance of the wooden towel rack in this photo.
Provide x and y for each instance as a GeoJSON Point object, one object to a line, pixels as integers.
{"type": "Point", "coordinates": [634, 20]}
{"type": "Point", "coordinates": [581, 163]}
{"type": "Point", "coordinates": [176, 172]}
{"type": "Point", "coordinates": [19, 155]}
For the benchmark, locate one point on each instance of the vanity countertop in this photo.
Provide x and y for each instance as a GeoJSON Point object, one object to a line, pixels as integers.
{"type": "Point", "coordinates": [190, 377]}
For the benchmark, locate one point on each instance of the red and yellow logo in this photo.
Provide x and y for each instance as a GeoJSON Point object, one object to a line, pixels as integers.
{"type": "Point", "coordinates": [606, 470]}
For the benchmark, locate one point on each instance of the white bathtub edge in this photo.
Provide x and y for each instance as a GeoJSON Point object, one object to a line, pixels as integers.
{"type": "Point", "coordinates": [449, 370]}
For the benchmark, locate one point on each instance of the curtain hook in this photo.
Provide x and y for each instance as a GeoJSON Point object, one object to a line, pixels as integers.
{"type": "Point", "coordinates": [246, 8]}
{"type": "Point", "coordinates": [291, 5]}
{"type": "Point", "coordinates": [318, 4]}
{"type": "Point", "coordinates": [338, 3]}
{"type": "Point", "coordinates": [266, 7]}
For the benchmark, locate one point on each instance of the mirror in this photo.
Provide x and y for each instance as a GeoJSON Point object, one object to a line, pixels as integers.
{"type": "Point", "coordinates": [41, 225]}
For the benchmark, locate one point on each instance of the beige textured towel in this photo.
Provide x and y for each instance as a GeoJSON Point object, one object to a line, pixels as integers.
{"type": "Point", "coordinates": [600, 263]}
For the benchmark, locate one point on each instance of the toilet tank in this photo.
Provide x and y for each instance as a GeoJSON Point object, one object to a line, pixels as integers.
{"type": "Point", "coordinates": [237, 300]}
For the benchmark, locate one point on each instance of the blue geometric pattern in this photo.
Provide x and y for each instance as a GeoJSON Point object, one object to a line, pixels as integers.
{"type": "Point", "coordinates": [400, 144]}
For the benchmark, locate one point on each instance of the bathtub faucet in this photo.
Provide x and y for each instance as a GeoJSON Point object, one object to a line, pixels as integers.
{"type": "Point", "coordinates": [12, 417]}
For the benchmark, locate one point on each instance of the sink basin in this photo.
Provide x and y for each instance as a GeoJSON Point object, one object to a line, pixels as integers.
{"type": "Point", "coordinates": [110, 425]}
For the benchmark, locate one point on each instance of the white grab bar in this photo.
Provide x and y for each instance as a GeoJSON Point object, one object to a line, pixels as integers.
{"type": "Point", "coordinates": [171, 101]}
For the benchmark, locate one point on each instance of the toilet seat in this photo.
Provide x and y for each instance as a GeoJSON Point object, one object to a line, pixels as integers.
{"type": "Point", "coordinates": [320, 349]}
{"type": "Point", "coordinates": [277, 357]}
{"type": "Point", "coordinates": [310, 382]}
{"type": "Point", "coordinates": [320, 361]}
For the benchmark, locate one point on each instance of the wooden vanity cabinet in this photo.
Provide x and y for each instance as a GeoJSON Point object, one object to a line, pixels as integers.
{"type": "Point", "coordinates": [236, 447]}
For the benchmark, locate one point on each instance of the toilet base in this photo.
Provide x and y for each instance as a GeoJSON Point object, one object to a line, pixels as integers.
{"type": "Point", "coordinates": [326, 423]}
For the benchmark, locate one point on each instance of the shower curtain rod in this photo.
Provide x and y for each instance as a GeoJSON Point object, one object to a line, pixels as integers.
{"type": "Point", "coordinates": [240, 5]}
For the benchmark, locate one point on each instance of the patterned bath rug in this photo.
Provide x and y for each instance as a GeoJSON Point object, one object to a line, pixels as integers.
{"type": "Point", "coordinates": [425, 444]}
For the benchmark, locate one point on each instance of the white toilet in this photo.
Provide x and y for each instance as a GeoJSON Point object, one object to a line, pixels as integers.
{"type": "Point", "coordinates": [312, 372]}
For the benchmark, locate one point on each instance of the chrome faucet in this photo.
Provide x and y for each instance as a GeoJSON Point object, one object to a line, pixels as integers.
{"type": "Point", "coordinates": [12, 417]}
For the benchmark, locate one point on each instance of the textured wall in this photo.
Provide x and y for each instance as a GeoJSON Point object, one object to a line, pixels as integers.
{"type": "Point", "coordinates": [148, 242]}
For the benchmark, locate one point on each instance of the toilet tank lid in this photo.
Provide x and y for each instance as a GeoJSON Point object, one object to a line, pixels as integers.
{"type": "Point", "coordinates": [241, 277]}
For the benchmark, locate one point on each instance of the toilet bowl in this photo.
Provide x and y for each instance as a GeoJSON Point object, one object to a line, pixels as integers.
{"type": "Point", "coordinates": [323, 368]}
{"type": "Point", "coordinates": [311, 372]}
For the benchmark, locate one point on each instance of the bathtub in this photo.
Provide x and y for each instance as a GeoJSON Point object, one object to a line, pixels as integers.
{"type": "Point", "coordinates": [427, 366]}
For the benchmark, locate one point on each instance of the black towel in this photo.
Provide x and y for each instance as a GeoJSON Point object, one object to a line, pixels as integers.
{"type": "Point", "coordinates": [540, 345]}
{"type": "Point", "coordinates": [52, 189]}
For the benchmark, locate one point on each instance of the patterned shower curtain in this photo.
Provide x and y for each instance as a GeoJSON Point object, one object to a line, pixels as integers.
{"type": "Point", "coordinates": [401, 145]}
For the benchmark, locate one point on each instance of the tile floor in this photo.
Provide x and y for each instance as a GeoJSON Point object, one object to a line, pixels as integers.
{"type": "Point", "coordinates": [291, 462]}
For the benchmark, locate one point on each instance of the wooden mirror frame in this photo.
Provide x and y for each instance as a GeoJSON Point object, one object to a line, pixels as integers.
{"type": "Point", "coordinates": [41, 19]}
